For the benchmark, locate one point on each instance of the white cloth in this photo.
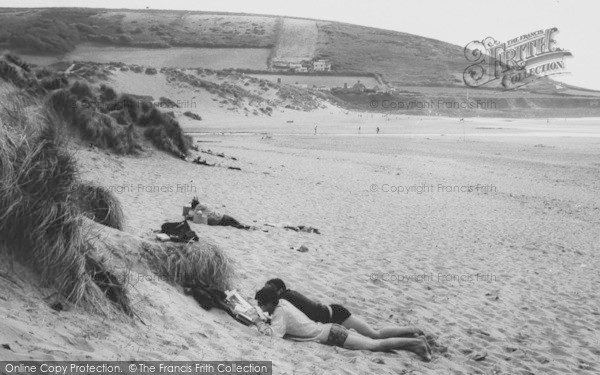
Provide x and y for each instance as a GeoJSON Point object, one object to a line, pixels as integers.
{"type": "Point", "coordinates": [213, 216]}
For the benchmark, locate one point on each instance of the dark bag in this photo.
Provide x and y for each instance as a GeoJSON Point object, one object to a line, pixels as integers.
{"type": "Point", "coordinates": [206, 297]}
{"type": "Point", "coordinates": [179, 232]}
{"type": "Point", "coordinates": [211, 297]}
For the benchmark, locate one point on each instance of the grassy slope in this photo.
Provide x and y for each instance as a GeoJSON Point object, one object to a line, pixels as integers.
{"type": "Point", "coordinates": [59, 30]}
{"type": "Point", "coordinates": [401, 59]}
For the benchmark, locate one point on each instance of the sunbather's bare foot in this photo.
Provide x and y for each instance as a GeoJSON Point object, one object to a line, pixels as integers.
{"type": "Point", "coordinates": [423, 350]}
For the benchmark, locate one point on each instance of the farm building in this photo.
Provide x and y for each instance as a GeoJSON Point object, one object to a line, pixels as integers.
{"type": "Point", "coordinates": [321, 66]}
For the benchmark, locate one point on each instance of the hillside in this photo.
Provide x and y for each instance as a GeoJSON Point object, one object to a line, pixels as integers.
{"type": "Point", "coordinates": [416, 68]}
{"type": "Point", "coordinates": [58, 30]}
{"type": "Point", "coordinates": [401, 58]}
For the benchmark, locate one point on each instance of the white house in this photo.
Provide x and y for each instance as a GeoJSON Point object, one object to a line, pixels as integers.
{"type": "Point", "coordinates": [321, 66]}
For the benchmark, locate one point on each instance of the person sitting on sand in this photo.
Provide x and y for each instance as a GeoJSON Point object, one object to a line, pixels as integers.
{"type": "Point", "coordinates": [288, 320]}
{"type": "Point", "coordinates": [214, 217]}
{"type": "Point", "coordinates": [338, 314]}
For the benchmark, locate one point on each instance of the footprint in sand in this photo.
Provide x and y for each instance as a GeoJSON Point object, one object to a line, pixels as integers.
{"type": "Point", "coordinates": [190, 341]}
{"type": "Point", "coordinates": [78, 342]}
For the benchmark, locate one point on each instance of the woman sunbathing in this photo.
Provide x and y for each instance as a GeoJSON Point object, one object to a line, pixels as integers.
{"type": "Point", "coordinates": [288, 320]}
{"type": "Point", "coordinates": [214, 217]}
{"type": "Point", "coordinates": [338, 314]}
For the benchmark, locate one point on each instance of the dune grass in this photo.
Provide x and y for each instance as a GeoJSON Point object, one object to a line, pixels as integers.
{"type": "Point", "coordinates": [125, 103]}
{"type": "Point", "coordinates": [82, 90]}
{"type": "Point", "coordinates": [54, 82]}
{"type": "Point", "coordinates": [96, 127]}
{"type": "Point", "coordinates": [100, 205]}
{"type": "Point", "coordinates": [103, 117]}
{"type": "Point", "coordinates": [188, 264]}
{"type": "Point", "coordinates": [43, 203]}
{"type": "Point", "coordinates": [165, 133]}
{"type": "Point", "coordinates": [40, 223]}
{"type": "Point", "coordinates": [107, 93]}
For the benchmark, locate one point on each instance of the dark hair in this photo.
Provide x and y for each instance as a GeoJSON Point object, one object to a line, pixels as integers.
{"type": "Point", "coordinates": [277, 283]}
{"type": "Point", "coordinates": [266, 295]}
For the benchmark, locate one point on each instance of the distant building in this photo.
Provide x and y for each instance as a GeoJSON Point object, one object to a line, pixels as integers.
{"type": "Point", "coordinates": [280, 64]}
{"type": "Point", "coordinates": [359, 87]}
{"type": "Point", "coordinates": [321, 66]}
{"type": "Point", "coordinates": [301, 69]}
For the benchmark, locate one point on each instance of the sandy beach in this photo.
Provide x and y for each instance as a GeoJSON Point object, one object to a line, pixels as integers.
{"type": "Point", "coordinates": [487, 243]}
{"type": "Point", "coordinates": [419, 171]}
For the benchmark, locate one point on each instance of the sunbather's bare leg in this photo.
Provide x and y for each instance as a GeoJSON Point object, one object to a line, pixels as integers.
{"type": "Point", "coordinates": [362, 327]}
{"type": "Point", "coordinates": [356, 341]}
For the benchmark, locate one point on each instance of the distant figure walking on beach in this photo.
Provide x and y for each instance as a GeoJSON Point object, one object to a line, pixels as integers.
{"type": "Point", "coordinates": [337, 314]}
{"type": "Point", "coordinates": [288, 320]}
{"type": "Point", "coordinates": [359, 130]}
{"type": "Point", "coordinates": [378, 130]}
{"type": "Point", "coordinates": [315, 129]}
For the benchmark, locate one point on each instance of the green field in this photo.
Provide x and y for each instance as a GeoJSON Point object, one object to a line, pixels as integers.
{"type": "Point", "coordinates": [180, 57]}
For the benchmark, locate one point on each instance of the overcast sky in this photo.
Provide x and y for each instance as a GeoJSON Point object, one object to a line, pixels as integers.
{"type": "Point", "coordinates": [457, 22]}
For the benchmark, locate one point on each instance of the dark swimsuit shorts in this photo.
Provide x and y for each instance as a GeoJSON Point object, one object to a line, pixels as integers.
{"type": "Point", "coordinates": [339, 314]}
{"type": "Point", "coordinates": [337, 336]}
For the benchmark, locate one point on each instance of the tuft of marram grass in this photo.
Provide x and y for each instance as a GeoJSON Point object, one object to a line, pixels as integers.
{"type": "Point", "coordinates": [16, 60]}
{"type": "Point", "coordinates": [96, 127]}
{"type": "Point", "coordinates": [128, 103]}
{"type": "Point", "coordinates": [186, 264]}
{"type": "Point", "coordinates": [100, 205]}
{"type": "Point", "coordinates": [107, 93]}
{"type": "Point", "coordinates": [16, 71]}
{"type": "Point", "coordinates": [54, 82]}
{"type": "Point", "coordinates": [81, 90]}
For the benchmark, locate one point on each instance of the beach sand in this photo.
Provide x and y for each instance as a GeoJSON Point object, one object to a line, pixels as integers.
{"type": "Point", "coordinates": [507, 271]}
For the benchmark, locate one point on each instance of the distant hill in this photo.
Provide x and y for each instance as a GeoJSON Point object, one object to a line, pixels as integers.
{"type": "Point", "coordinates": [400, 58]}
{"type": "Point", "coordinates": [413, 64]}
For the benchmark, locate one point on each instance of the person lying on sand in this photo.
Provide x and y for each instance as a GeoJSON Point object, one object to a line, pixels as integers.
{"type": "Point", "coordinates": [214, 217]}
{"type": "Point", "coordinates": [337, 314]}
{"type": "Point", "coordinates": [288, 320]}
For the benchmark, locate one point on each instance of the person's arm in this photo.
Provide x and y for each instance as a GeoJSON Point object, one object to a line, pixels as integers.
{"type": "Point", "coordinates": [264, 328]}
{"type": "Point", "coordinates": [277, 327]}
